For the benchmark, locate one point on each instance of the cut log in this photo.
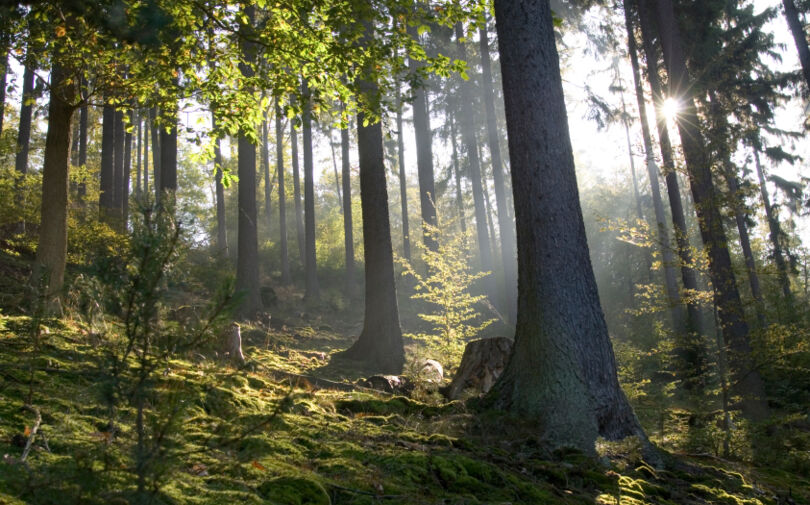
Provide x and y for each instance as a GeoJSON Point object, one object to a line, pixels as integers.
{"type": "Point", "coordinates": [482, 363]}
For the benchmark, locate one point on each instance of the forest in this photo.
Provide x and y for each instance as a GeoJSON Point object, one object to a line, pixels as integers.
{"type": "Point", "coordinates": [322, 252]}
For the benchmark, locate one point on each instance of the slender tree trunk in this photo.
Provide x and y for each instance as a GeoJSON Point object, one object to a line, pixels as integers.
{"type": "Point", "coordinates": [299, 211]}
{"type": "Point", "coordinates": [222, 231]}
{"type": "Point", "coordinates": [106, 199]}
{"type": "Point", "coordinates": [26, 112]}
{"type": "Point", "coordinates": [247, 261]}
{"type": "Point", "coordinates": [138, 146]}
{"type": "Point", "coordinates": [505, 223]}
{"type": "Point", "coordinates": [748, 383]}
{"type": "Point", "coordinates": [348, 230]}
{"type": "Point", "coordinates": [462, 216]}
{"type": "Point", "coordinates": [799, 37]}
{"type": "Point", "coordinates": [268, 185]}
{"type": "Point", "coordinates": [468, 134]}
{"type": "Point", "coordinates": [82, 189]}
{"type": "Point", "coordinates": [379, 346]}
{"type": "Point", "coordinates": [334, 167]}
{"type": "Point", "coordinates": [694, 354]}
{"type": "Point", "coordinates": [118, 169]}
{"type": "Point", "coordinates": [168, 153]}
{"type": "Point", "coordinates": [403, 188]}
{"type": "Point", "coordinates": [775, 233]}
{"type": "Point", "coordinates": [3, 74]}
{"type": "Point", "coordinates": [562, 372]}
{"type": "Point", "coordinates": [127, 174]}
{"type": "Point", "coordinates": [424, 153]}
{"type": "Point", "coordinates": [667, 255]}
{"type": "Point", "coordinates": [155, 151]}
{"type": "Point", "coordinates": [282, 199]}
{"type": "Point", "coordinates": [146, 130]}
{"type": "Point", "coordinates": [311, 263]}
{"type": "Point", "coordinates": [52, 246]}
{"type": "Point", "coordinates": [487, 204]}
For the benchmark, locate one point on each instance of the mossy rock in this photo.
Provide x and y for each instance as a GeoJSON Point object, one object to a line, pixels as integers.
{"type": "Point", "coordinates": [294, 491]}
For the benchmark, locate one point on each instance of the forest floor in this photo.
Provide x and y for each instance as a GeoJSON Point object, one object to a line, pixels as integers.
{"type": "Point", "coordinates": [244, 435]}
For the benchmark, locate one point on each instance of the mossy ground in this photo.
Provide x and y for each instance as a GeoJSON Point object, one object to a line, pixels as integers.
{"type": "Point", "coordinates": [246, 438]}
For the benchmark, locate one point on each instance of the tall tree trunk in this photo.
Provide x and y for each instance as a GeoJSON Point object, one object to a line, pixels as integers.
{"type": "Point", "coordinates": [334, 167]}
{"type": "Point", "coordinates": [311, 263]}
{"type": "Point", "coordinates": [505, 224]}
{"type": "Point", "coordinates": [299, 211]}
{"type": "Point", "coordinates": [562, 372]}
{"type": "Point", "coordinates": [127, 173]}
{"type": "Point", "coordinates": [168, 153]}
{"type": "Point", "coordinates": [487, 204]}
{"type": "Point", "coordinates": [268, 185]}
{"type": "Point", "coordinates": [247, 260]}
{"type": "Point", "coordinates": [462, 216]}
{"type": "Point", "coordinates": [26, 112]}
{"type": "Point", "coordinates": [118, 168]}
{"type": "Point", "coordinates": [667, 255]}
{"type": "Point", "coordinates": [3, 73]}
{"type": "Point", "coordinates": [403, 188]}
{"type": "Point", "coordinates": [694, 354]}
{"type": "Point", "coordinates": [282, 199]}
{"type": "Point", "coordinates": [153, 113]}
{"type": "Point", "coordinates": [424, 152]}
{"type": "Point", "coordinates": [775, 233]}
{"type": "Point", "coordinates": [748, 382]}
{"type": "Point", "coordinates": [82, 189]}
{"type": "Point", "coordinates": [52, 246]}
{"type": "Point", "coordinates": [799, 37]}
{"type": "Point", "coordinates": [348, 230]}
{"type": "Point", "coordinates": [106, 199]}
{"type": "Point", "coordinates": [138, 145]}
{"type": "Point", "coordinates": [222, 231]}
{"type": "Point", "coordinates": [146, 130]}
{"type": "Point", "coordinates": [379, 345]}
{"type": "Point", "coordinates": [468, 134]}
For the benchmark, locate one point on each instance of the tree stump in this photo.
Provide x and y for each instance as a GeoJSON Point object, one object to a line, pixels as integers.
{"type": "Point", "coordinates": [233, 344]}
{"type": "Point", "coordinates": [483, 361]}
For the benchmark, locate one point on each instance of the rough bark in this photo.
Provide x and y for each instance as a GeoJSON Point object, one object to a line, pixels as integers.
{"type": "Point", "coordinates": [282, 199]}
{"type": "Point", "coordinates": [247, 260]}
{"type": "Point", "coordinates": [424, 152]}
{"type": "Point", "coordinates": [403, 188]}
{"type": "Point", "coordinates": [667, 254]}
{"type": "Point", "coordinates": [688, 275]}
{"type": "Point", "coordinates": [106, 197]}
{"type": "Point", "coordinates": [311, 263]}
{"type": "Point", "coordinates": [299, 210]}
{"type": "Point", "coordinates": [482, 363]}
{"type": "Point", "coordinates": [799, 37]}
{"type": "Point", "coordinates": [348, 230]}
{"type": "Point", "coordinates": [468, 134]}
{"type": "Point", "coordinates": [748, 383]}
{"type": "Point", "coordinates": [562, 371]}
{"type": "Point", "coordinates": [505, 223]}
{"type": "Point", "coordinates": [49, 270]}
{"type": "Point", "coordinates": [775, 233]}
{"type": "Point", "coordinates": [26, 112]}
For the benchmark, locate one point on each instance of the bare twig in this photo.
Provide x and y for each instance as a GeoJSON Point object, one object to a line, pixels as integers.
{"type": "Point", "coordinates": [33, 433]}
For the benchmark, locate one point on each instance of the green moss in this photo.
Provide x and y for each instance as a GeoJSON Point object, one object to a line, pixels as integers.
{"type": "Point", "coordinates": [294, 491]}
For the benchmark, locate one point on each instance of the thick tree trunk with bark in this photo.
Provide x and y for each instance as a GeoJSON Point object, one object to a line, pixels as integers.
{"type": "Point", "coordinates": [299, 210]}
{"type": "Point", "coordinates": [403, 188]}
{"type": "Point", "coordinates": [26, 112]}
{"type": "Point", "coordinates": [562, 372]}
{"type": "Point", "coordinates": [311, 263]}
{"type": "Point", "coordinates": [219, 189]}
{"type": "Point", "coordinates": [424, 152]}
{"type": "Point", "coordinates": [52, 246]}
{"type": "Point", "coordinates": [471, 145]}
{"type": "Point", "coordinates": [282, 199]}
{"type": "Point", "coordinates": [748, 383]}
{"type": "Point", "coordinates": [247, 260]}
{"type": "Point", "coordinates": [667, 254]}
{"type": "Point", "coordinates": [799, 37]}
{"type": "Point", "coordinates": [775, 233]}
{"type": "Point", "coordinates": [348, 231]}
{"type": "Point", "coordinates": [505, 223]}
{"type": "Point", "coordinates": [106, 199]}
